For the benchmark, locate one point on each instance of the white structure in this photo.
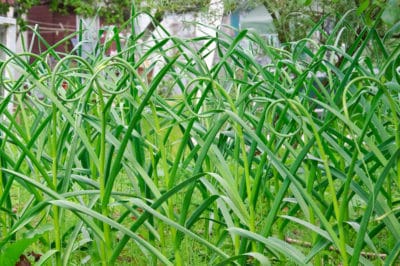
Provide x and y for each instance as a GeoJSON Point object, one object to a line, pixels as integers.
{"type": "Point", "coordinates": [212, 20]}
{"type": "Point", "coordinates": [8, 38]}
{"type": "Point", "coordinates": [260, 20]}
{"type": "Point", "coordinates": [8, 33]}
{"type": "Point", "coordinates": [90, 35]}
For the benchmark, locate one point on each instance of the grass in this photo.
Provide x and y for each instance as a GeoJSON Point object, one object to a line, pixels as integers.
{"type": "Point", "coordinates": [247, 164]}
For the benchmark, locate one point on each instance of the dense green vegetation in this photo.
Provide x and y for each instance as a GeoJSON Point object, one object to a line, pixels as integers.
{"type": "Point", "coordinates": [292, 162]}
{"type": "Point", "coordinates": [292, 19]}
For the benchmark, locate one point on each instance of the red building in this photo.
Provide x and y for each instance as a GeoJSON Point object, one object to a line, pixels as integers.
{"type": "Point", "coordinates": [51, 26]}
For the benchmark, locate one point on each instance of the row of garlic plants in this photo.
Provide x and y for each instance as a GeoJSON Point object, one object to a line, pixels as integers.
{"type": "Point", "coordinates": [295, 161]}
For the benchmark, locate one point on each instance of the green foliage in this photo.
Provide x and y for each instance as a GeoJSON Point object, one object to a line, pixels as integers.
{"type": "Point", "coordinates": [20, 8]}
{"type": "Point", "coordinates": [391, 13]}
{"type": "Point", "coordinates": [292, 19]}
{"type": "Point", "coordinates": [177, 6]}
{"type": "Point", "coordinates": [87, 8]}
{"type": "Point", "coordinates": [292, 161]}
{"type": "Point", "coordinates": [112, 11]}
{"type": "Point", "coordinates": [12, 253]}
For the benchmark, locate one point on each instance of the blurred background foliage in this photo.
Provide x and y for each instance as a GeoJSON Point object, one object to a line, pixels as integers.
{"type": "Point", "coordinates": [292, 19]}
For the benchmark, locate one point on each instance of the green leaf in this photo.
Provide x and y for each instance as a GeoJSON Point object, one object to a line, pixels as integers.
{"type": "Point", "coordinates": [393, 255]}
{"type": "Point", "coordinates": [275, 244]}
{"type": "Point", "coordinates": [12, 253]}
{"type": "Point", "coordinates": [391, 14]}
{"type": "Point", "coordinates": [38, 231]}
{"type": "Point", "coordinates": [263, 260]}
{"type": "Point", "coordinates": [305, 2]}
{"type": "Point", "coordinates": [45, 257]}
{"type": "Point", "coordinates": [77, 208]}
{"type": "Point", "coordinates": [363, 6]}
{"type": "Point", "coordinates": [179, 227]}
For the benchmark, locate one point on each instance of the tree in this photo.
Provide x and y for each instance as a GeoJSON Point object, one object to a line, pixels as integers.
{"type": "Point", "coordinates": [294, 19]}
{"type": "Point", "coordinates": [113, 11]}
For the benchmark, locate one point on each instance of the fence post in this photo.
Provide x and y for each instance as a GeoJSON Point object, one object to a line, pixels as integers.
{"type": "Point", "coordinates": [8, 38]}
